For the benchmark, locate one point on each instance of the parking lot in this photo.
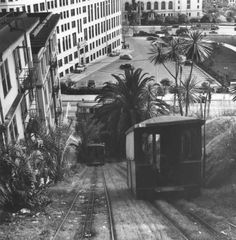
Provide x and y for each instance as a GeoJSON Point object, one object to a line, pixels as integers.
{"type": "Point", "coordinates": [102, 70]}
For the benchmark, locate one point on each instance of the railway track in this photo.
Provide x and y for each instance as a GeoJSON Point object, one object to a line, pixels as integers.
{"type": "Point", "coordinates": [190, 215]}
{"type": "Point", "coordinates": [84, 206]}
{"type": "Point", "coordinates": [199, 220]}
{"type": "Point", "coordinates": [195, 224]}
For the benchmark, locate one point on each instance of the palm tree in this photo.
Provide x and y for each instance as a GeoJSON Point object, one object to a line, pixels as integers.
{"type": "Point", "coordinates": [128, 101]}
{"type": "Point", "coordinates": [190, 93]}
{"type": "Point", "coordinates": [161, 54]}
{"type": "Point", "coordinates": [192, 46]}
{"type": "Point", "coordinates": [197, 50]}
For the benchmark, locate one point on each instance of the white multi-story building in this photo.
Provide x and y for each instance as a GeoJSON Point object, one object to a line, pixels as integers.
{"type": "Point", "coordinates": [192, 8]}
{"type": "Point", "coordinates": [87, 30]}
{"type": "Point", "coordinates": [28, 74]}
{"type": "Point", "coordinates": [15, 76]}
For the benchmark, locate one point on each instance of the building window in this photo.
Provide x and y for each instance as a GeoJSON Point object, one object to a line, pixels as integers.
{"type": "Point", "coordinates": [13, 130]}
{"type": "Point", "coordinates": [155, 5]}
{"type": "Point", "coordinates": [163, 5]}
{"type": "Point", "coordinates": [126, 6]}
{"type": "Point", "coordinates": [148, 5]}
{"type": "Point", "coordinates": [70, 58]}
{"type": "Point", "coordinates": [18, 66]}
{"type": "Point", "coordinates": [74, 39]}
{"type": "Point", "coordinates": [65, 60]}
{"type": "Point", "coordinates": [76, 54]}
{"type": "Point", "coordinates": [170, 5]}
{"type": "Point", "coordinates": [188, 4]}
{"type": "Point", "coordinates": [25, 50]}
{"type": "Point", "coordinates": [6, 82]}
{"type": "Point", "coordinates": [42, 7]}
{"type": "Point", "coordinates": [36, 7]}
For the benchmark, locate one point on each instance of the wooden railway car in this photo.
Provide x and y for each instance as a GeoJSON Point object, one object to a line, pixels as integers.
{"type": "Point", "coordinates": [164, 156]}
{"type": "Point", "coordinates": [95, 154]}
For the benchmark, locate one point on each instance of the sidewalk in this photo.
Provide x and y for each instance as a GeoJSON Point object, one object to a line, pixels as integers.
{"type": "Point", "coordinates": [95, 66]}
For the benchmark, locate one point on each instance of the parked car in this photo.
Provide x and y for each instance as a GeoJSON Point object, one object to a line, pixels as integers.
{"type": "Point", "coordinates": [126, 57]}
{"type": "Point", "coordinates": [91, 84]}
{"type": "Point", "coordinates": [151, 38]}
{"type": "Point", "coordinates": [80, 68]}
{"type": "Point", "coordinates": [126, 66]}
{"type": "Point", "coordinates": [114, 53]}
{"type": "Point", "coordinates": [213, 32]}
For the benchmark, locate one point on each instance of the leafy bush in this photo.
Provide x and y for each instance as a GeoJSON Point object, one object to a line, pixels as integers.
{"type": "Point", "coordinates": [17, 180]}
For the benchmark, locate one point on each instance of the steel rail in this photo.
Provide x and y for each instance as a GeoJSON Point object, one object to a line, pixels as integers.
{"type": "Point", "coordinates": [87, 224]}
{"type": "Point", "coordinates": [172, 222]}
{"type": "Point", "coordinates": [210, 228]}
{"type": "Point", "coordinates": [218, 235]}
{"type": "Point", "coordinates": [69, 210]}
{"type": "Point", "coordinates": [109, 209]}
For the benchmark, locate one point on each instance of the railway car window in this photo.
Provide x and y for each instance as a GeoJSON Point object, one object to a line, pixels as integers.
{"type": "Point", "coordinates": [189, 141]}
{"type": "Point", "coordinates": [151, 149]}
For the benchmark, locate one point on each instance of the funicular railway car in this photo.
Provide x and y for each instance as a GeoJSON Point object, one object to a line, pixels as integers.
{"type": "Point", "coordinates": [95, 154]}
{"type": "Point", "coordinates": [164, 156]}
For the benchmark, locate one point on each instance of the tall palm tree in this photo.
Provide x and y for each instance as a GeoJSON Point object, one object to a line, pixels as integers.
{"type": "Point", "coordinates": [197, 50]}
{"type": "Point", "coordinates": [127, 101]}
{"type": "Point", "coordinates": [173, 52]}
{"type": "Point", "coordinates": [192, 46]}
{"type": "Point", "coordinates": [190, 93]}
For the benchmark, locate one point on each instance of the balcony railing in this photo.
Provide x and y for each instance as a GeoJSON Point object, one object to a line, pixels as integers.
{"type": "Point", "coordinates": [27, 79]}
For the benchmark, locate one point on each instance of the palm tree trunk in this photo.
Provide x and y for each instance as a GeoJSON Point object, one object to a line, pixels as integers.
{"type": "Point", "coordinates": [187, 89]}
{"type": "Point", "coordinates": [177, 86]}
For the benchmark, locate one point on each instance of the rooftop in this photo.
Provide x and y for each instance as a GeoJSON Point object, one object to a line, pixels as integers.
{"type": "Point", "coordinates": [12, 28]}
{"type": "Point", "coordinates": [40, 35]}
{"type": "Point", "coordinates": [13, 25]}
{"type": "Point", "coordinates": [166, 121]}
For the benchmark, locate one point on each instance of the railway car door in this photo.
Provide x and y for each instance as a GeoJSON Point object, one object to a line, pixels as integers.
{"type": "Point", "coordinates": [169, 157]}
{"type": "Point", "coordinates": [190, 156]}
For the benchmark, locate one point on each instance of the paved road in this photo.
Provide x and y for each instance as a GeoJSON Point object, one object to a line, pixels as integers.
{"type": "Point", "coordinates": [140, 49]}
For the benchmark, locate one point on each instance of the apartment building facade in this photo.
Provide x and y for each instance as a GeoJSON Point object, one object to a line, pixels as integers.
{"type": "Point", "coordinates": [15, 76]}
{"type": "Point", "coordinates": [192, 8]}
{"type": "Point", "coordinates": [87, 30]}
{"type": "Point", "coordinates": [24, 50]}
{"type": "Point", "coordinates": [44, 51]}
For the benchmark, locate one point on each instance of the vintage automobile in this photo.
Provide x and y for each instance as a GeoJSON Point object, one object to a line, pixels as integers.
{"type": "Point", "coordinates": [126, 66]}
{"type": "Point", "coordinates": [80, 68]}
{"type": "Point", "coordinates": [126, 57]}
{"type": "Point", "coordinates": [114, 54]}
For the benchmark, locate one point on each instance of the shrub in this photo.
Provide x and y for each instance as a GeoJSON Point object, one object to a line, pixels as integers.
{"type": "Point", "coordinates": [17, 180]}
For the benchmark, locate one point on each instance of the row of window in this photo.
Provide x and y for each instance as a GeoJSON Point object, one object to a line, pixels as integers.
{"type": "Point", "coordinates": [4, 68]}
{"type": "Point", "coordinates": [71, 40]}
{"type": "Point", "coordinates": [102, 9]}
{"type": "Point", "coordinates": [163, 5]}
{"type": "Point", "coordinates": [97, 43]}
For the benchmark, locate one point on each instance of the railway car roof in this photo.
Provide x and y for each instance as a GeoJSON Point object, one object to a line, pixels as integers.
{"type": "Point", "coordinates": [166, 121]}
